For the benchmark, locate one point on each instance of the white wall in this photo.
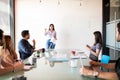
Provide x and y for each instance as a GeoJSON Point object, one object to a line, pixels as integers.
{"type": "Point", "coordinates": [74, 24]}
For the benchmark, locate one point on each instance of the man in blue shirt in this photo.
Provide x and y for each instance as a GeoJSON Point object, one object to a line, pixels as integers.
{"type": "Point", "coordinates": [24, 47]}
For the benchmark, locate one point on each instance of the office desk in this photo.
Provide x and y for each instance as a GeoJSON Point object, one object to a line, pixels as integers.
{"type": "Point", "coordinates": [61, 70]}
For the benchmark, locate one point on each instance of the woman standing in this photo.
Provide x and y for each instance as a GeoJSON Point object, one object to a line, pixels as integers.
{"type": "Point", "coordinates": [51, 35]}
{"type": "Point", "coordinates": [96, 48]}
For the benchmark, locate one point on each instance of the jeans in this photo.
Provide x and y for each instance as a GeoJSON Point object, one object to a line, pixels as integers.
{"type": "Point", "coordinates": [50, 45]}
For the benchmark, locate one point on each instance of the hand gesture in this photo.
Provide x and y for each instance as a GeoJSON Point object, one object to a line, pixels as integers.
{"type": "Point", "coordinates": [45, 29]}
{"type": "Point", "coordinates": [88, 47]}
{"type": "Point", "coordinates": [34, 42]}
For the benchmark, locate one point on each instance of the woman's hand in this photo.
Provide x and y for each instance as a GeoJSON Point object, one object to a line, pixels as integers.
{"type": "Point", "coordinates": [94, 63]}
{"type": "Point", "coordinates": [45, 29]}
{"type": "Point", "coordinates": [88, 47]}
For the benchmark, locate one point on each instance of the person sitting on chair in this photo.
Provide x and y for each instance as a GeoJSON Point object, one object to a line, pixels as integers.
{"type": "Point", "coordinates": [97, 46]}
{"type": "Point", "coordinates": [24, 47]}
{"type": "Point", "coordinates": [105, 75]}
{"type": "Point", "coordinates": [11, 57]}
{"type": "Point", "coordinates": [4, 68]}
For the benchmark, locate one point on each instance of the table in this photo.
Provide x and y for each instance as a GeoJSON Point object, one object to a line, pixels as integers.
{"type": "Point", "coordinates": [60, 71]}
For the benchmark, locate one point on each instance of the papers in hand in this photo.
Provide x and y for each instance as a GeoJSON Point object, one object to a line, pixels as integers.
{"type": "Point", "coordinates": [53, 40]}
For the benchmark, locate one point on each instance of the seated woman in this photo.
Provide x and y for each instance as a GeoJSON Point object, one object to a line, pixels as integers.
{"type": "Point", "coordinates": [11, 57]}
{"type": "Point", "coordinates": [96, 48]}
{"type": "Point", "coordinates": [7, 62]}
{"type": "Point", "coordinates": [105, 75]}
{"type": "Point", "coordinates": [4, 68]}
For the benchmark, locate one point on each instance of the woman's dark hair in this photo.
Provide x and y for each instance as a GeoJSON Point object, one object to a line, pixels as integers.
{"type": "Point", "coordinates": [52, 26]}
{"type": "Point", "coordinates": [117, 68]}
{"type": "Point", "coordinates": [1, 37]}
{"type": "Point", "coordinates": [118, 26]}
{"type": "Point", "coordinates": [7, 42]}
{"type": "Point", "coordinates": [24, 33]}
{"type": "Point", "coordinates": [98, 37]}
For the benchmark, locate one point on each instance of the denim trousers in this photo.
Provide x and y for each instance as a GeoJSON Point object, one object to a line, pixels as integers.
{"type": "Point", "coordinates": [49, 44]}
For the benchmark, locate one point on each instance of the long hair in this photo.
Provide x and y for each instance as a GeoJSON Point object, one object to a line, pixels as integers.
{"type": "Point", "coordinates": [10, 49]}
{"type": "Point", "coordinates": [1, 37]}
{"type": "Point", "coordinates": [118, 26]}
{"type": "Point", "coordinates": [52, 26]}
{"type": "Point", "coordinates": [117, 68]}
{"type": "Point", "coordinates": [98, 37]}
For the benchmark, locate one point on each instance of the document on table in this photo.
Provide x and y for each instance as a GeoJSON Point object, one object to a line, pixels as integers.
{"type": "Point", "coordinates": [59, 57]}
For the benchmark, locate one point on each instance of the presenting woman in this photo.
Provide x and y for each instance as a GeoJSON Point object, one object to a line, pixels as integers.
{"type": "Point", "coordinates": [51, 37]}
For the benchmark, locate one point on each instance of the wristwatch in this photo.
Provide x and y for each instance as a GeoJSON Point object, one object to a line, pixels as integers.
{"type": "Point", "coordinates": [95, 74]}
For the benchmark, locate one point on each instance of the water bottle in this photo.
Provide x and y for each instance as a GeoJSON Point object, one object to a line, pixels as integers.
{"type": "Point", "coordinates": [38, 53]}
{"type": "Point", "coordinates": [34, 61]}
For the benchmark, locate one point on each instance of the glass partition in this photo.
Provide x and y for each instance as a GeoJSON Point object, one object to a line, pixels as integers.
{"type": "Point", "coordinates": [111, 42]}
{"type": "Point", "coordinates": [110, 35]}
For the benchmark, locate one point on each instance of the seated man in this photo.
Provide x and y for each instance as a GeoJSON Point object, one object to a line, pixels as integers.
{"type": "Point", "coordinates": [105, 75]}
{"type": "Point", "coordinates": [24, 47]}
